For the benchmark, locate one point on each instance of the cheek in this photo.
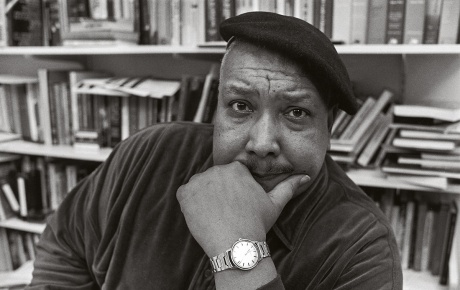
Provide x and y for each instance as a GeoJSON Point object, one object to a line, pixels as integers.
{"type": "Point", "coordinates": [228, 142]}
{"type": "Point", "coordinates": [307, 152]}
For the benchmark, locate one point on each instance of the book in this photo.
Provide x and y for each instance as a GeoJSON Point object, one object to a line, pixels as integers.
{"type": "Point", "coordinates": [418, 111]}
{"type": "Point", "coordinates": [304, 10]}
{"type": "Point", "coordinates": [407, 238]}
{"type": "Point", "coordinates": [449, 21]}
{"type": "Point", "coordinates": [6, 264]}
{"type": "Point", "coordinates": [395, 21]}
{"type": "Point", "coordinates": [422, 209]}
{"type": "Point", "coordinates": [341, 21]}
{"type": "Point", "coordinates": [390, 167]}
{"type": "Point", "coordinates": [193, 20]}
{"type": "Point", "coordinates": [424, 144]}
{"type": "Point", "coordinates": [358, 118]}
{"type": "Point", "coordinates": [448, 243]}
{"type": "Point", "coordinates": [3, 24]}
{"type": "Point", "coordinates": [432, 182]}
{"type": "Point", "coordinates": [432, 21]}
{"type": "Point", "coordinates": [359, 21]}
{"type": "Point", "coordinates": [377, 21]}
{"type": "Point", "coordinates": [426, 240]}
{"type": "Point", "coordinates": [442, 221]}
{"type": "Point", "coordinates": [361, 127]}
{"type": "Point", "coordinates": [432, 164]}
{"type": "Point", "coordinates": [432, 134]}
{"type": "Point", "coordinates": [212, 75]}
{"type": "Point", "coordinates": [212, 20]}
{"type": "Point", "coordinates": [413, 21]}
{"type": "Point", "coordinates": [373, 145]}
{"type": "Point", "coordinates": [25, 23]}
{"type": "Point", "coordinates": [325, 17]}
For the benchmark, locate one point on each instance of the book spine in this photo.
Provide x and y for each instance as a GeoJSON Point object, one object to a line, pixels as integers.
{"type": "Point", "coordinates": [432, 21]}
{"type": "Point", "coordinates": [359, 21]}
{"type": "Point", "coordinates": [44, 104]}
{"type": "Point", "coordinates": [26, 23]}
{"type": "Point", "coordinates": [176, 22]}
{"type": "Point", "coordinates": [448, 27]}
{"type": "Point", "coordinates": [115, 120]}
{"type": "Point", "coordinates": [395, 21]}
{"type": "Point", "coordinates": [3, 24]}
{"type": "Point", "coordinates": [341, 22]}
{"type": "Point", "coordinates": [133, 115]}
{"type": "Point", "coordinates": [413, 21]}
{"type": "Point", "coordinates": [212, 20]}
{"type": "Point", "coordinates": [377, 21]}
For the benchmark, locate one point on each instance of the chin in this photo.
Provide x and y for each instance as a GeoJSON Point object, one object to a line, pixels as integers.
{"type": "Point", "coordinates": [269, 183]}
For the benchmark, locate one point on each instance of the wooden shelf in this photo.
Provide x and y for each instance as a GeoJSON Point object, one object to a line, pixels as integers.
{"type": "Point", "coordinates": [218, 48]}
{"type": "Point", "coordinates": [413, 280]}
{"type": "Point", "coordinates": [56, 151]}
{"type": "Point", "coordinates": [20, 225]}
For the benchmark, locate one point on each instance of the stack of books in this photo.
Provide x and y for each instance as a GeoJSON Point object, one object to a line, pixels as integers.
{"type": "Point", "coordinates": [356, 139]}
{"type": "Point", "coordinates": [424, 146]}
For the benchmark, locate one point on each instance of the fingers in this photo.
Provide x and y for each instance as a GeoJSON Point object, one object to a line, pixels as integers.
{"type": "Point", "coordinates": [285, 190]}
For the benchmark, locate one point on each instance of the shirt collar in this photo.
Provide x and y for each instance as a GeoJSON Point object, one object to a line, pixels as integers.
{"type": "Point", "coordinates": [287, 227]}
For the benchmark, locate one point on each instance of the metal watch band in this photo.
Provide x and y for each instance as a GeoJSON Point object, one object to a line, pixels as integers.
{"type": "Point", "coordinates": [223, 261]}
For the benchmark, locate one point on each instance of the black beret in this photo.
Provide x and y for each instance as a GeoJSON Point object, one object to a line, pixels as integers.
{"type": "Point", "coordinates": [301, 42]}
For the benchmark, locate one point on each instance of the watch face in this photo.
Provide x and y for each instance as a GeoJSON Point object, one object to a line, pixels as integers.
{"type": "Point", "coordinates": [244, 254]}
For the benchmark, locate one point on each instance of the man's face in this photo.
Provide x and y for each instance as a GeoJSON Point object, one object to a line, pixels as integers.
{"type": "Point", "coordinates": [269, 116]}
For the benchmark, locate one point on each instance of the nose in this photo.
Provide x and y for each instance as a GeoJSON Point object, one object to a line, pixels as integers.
{"type": "Point", "coordinates": [264, 137]}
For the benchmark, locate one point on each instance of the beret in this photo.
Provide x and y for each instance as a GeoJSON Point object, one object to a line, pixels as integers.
{"type": "Point", "coordinates": [300, 41]}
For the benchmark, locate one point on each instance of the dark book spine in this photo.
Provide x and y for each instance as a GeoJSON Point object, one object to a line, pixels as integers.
{"type": "Point", "coordinates": [133, 122]}
{"type": "Point", "coordinates": [27, 23]}
{"type": "Point", "coordinates": [53, 118]}
{"type": "Point", "coordinates": [212, 21]}
{"type": "Point", "coordinates": [115, 120]}
{"type": "Point", "coordinates": [395, 22]}
{"type": "Point", "coordinates": [432, 21]}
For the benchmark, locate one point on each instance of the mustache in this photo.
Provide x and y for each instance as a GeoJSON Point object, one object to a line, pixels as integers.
{"type": "Point", "coordinates": [268, 166]}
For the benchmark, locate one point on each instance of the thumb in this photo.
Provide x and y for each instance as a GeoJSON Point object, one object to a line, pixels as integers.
{"type": "Point", "coordinates": [284, 191]}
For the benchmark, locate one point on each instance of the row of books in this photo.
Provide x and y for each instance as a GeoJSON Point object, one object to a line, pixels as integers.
{"type": "Point", "coordinates": [91, 110]}
{"type": "Point", "coordinates": [424, 225]}
{"type": "Point", "coordinates": [54, 22]}
{"type": "Point", "coordinates": [16, 248]}
{"type": "Point", "coordinates": [33, 187]}
{"type": "Point", "coordinates": [192, 22]}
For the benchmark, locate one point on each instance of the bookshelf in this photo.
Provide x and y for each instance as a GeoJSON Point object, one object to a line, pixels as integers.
{"type": "Point", "coordinates": [419, 74]}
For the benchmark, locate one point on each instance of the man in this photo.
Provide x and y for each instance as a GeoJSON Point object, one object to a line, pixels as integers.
{"type": "Point", "coordinates": [251, 202]}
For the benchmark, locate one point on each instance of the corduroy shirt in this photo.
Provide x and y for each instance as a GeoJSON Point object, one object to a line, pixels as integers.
{"type": "Point", "coordinates": [122, 227]}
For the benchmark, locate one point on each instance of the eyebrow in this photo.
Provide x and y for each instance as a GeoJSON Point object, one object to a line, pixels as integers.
{"type": "Point", "coordinates": [296, 97]}
{"type": "Point", "coordinates": [240, 90]}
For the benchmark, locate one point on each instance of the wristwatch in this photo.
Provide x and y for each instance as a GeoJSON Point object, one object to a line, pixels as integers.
{"type": "Point", "coordinates": [244, 255]}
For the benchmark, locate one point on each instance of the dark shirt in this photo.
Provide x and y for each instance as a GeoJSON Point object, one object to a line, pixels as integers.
{"type": "Point", "coordinates": [122, 227]}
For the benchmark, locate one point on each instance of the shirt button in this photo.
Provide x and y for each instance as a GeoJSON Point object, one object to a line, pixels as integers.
{"type": "Point", "coordinates": [207, 273]}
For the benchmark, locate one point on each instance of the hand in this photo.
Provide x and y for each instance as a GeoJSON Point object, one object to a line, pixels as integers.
{"type": "Point", "coordinates": [225, 203]}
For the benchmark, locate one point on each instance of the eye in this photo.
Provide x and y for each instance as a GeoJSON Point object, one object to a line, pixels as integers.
{"type": "Point", "coordinates": [240, 107]}
{"type": "Point", "coordinates": [297, 113]}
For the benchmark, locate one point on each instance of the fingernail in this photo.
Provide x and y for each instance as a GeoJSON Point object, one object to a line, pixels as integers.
{"type": "Point", "coordinates": [304, 179]}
